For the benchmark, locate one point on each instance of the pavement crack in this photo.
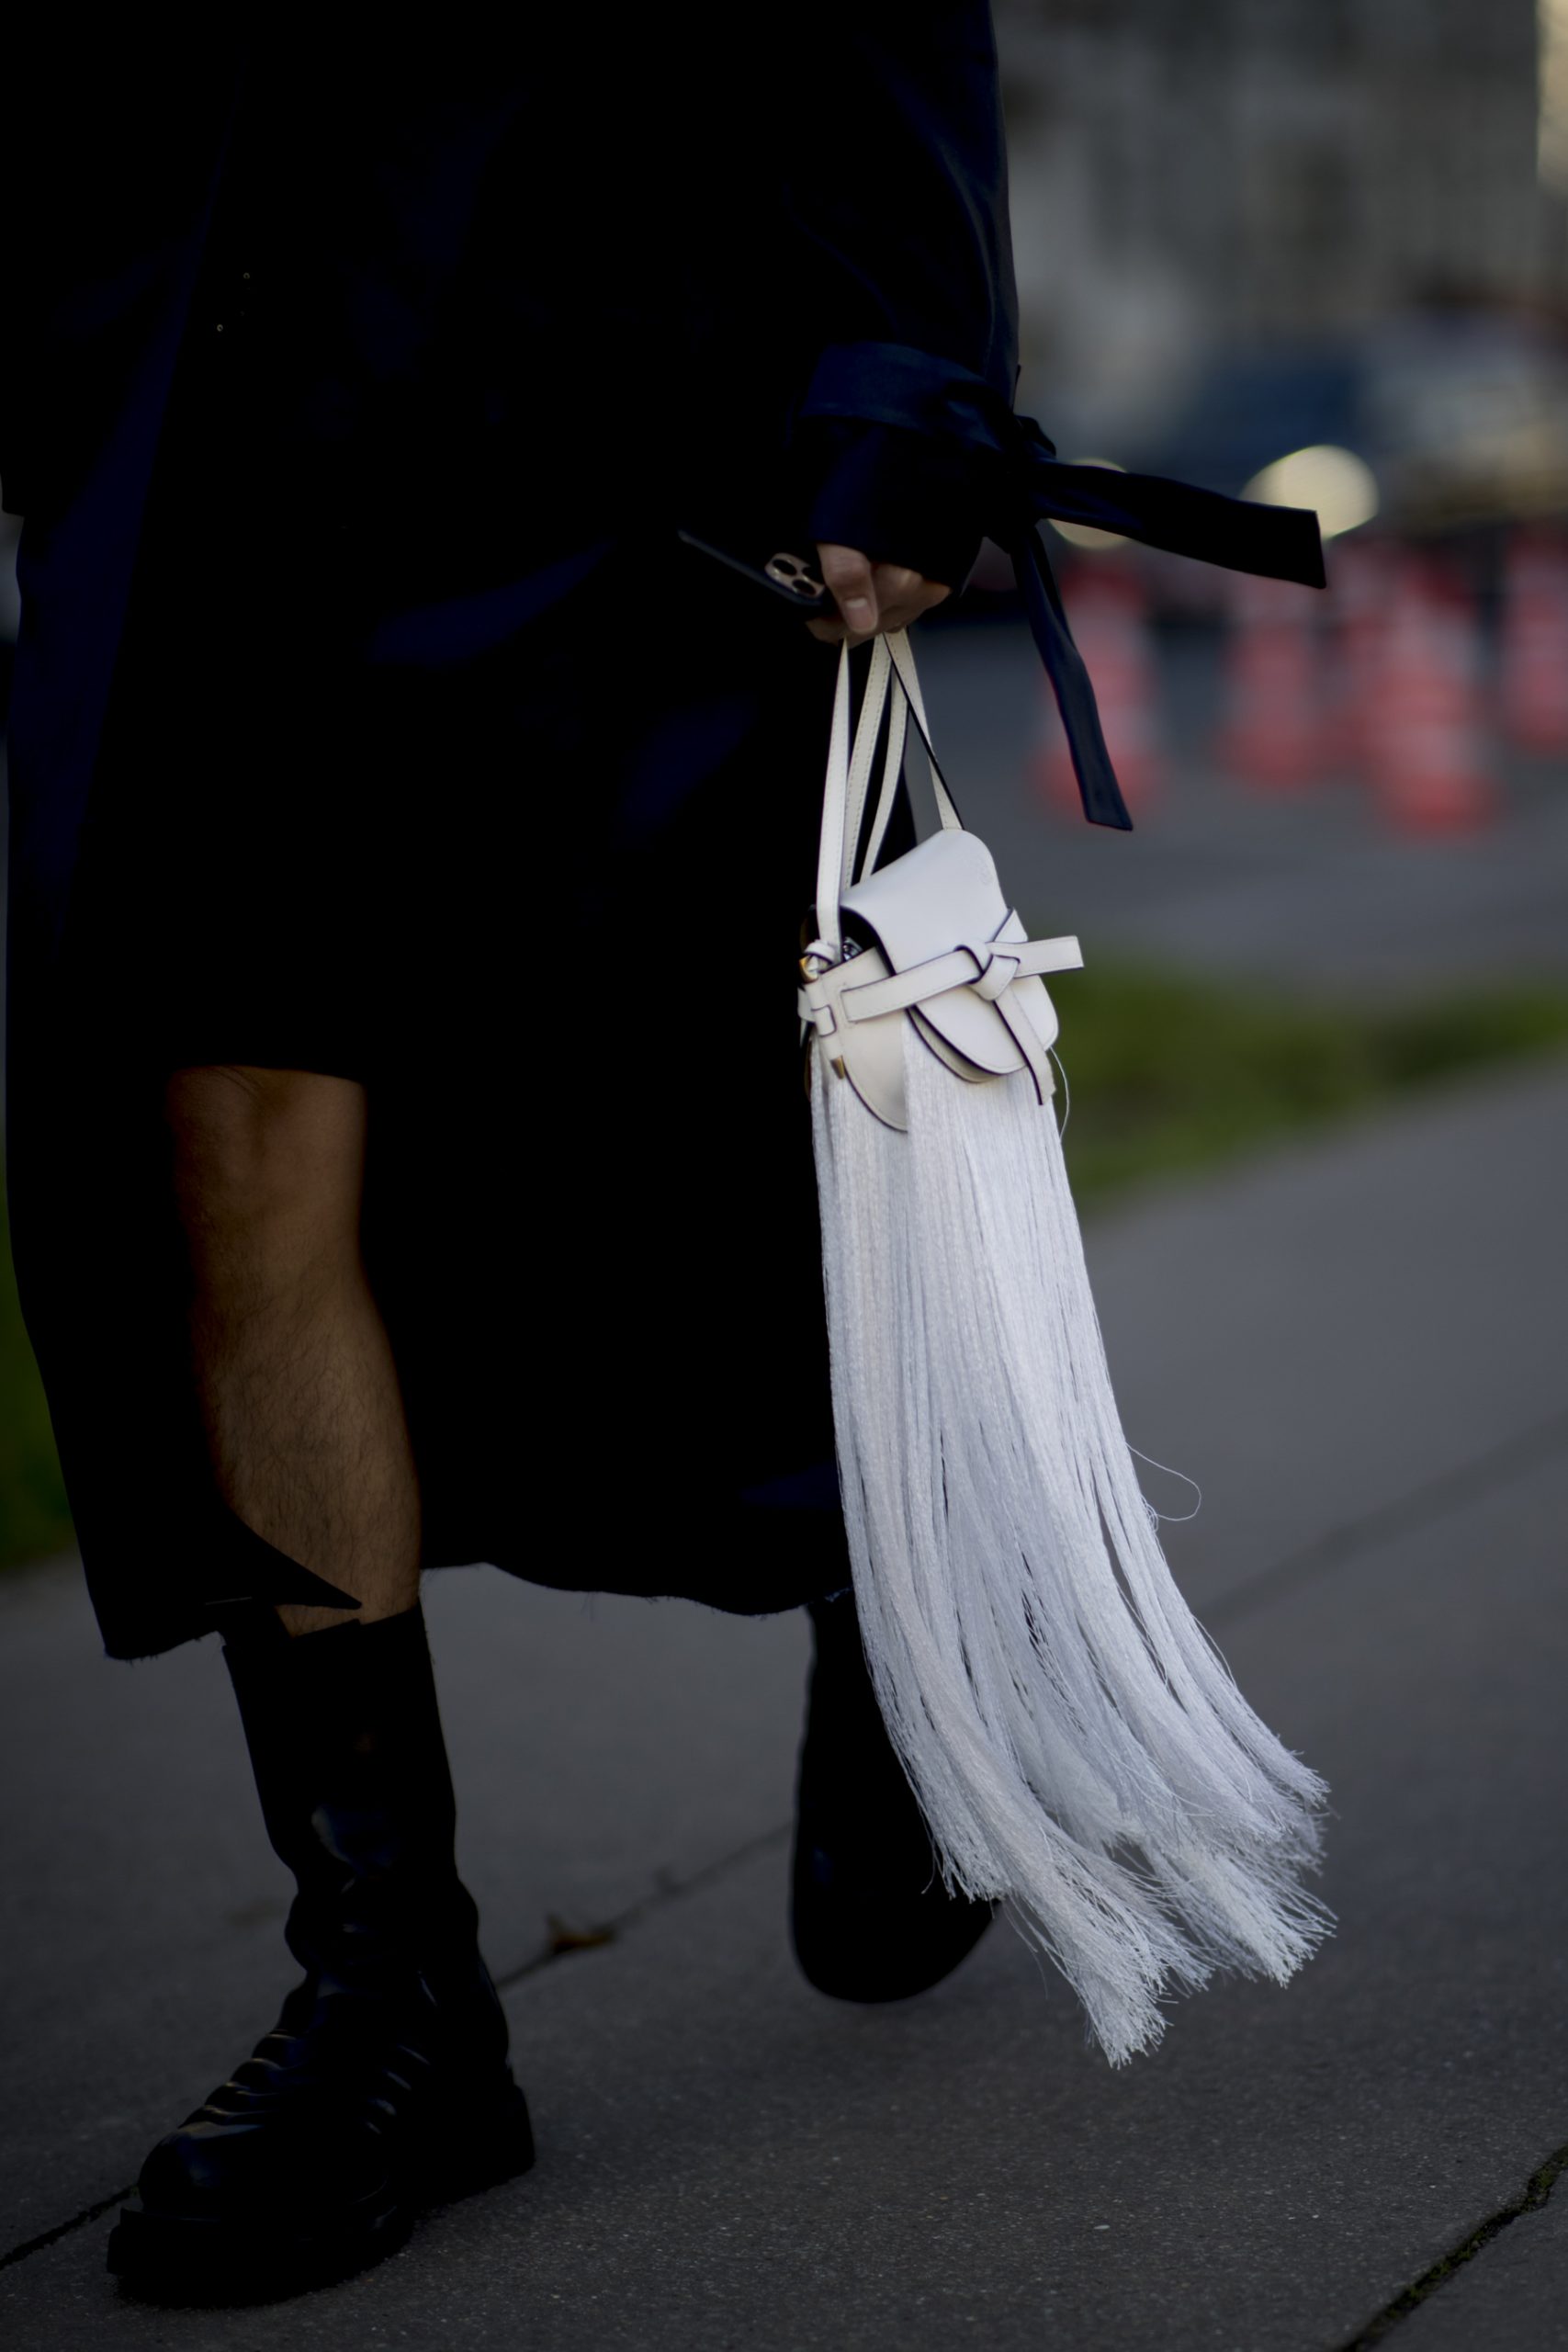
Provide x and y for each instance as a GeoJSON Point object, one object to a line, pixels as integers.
{"type": "Point", "coordinates": [1537, 2189]}
{"type": "Point", "coordinates": [1484, 1474]}
{"type": "Point", "coordinates": [562, 1941]}
{"type": "Point", "coordinates": [64, 2229]}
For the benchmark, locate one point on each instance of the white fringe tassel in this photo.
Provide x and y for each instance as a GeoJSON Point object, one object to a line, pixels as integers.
{"type": "Point", "coordinates": [1077, 1743]}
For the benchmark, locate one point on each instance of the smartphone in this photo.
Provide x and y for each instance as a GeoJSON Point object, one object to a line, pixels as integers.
{"type": "Point", "coordinates": [792, 579]}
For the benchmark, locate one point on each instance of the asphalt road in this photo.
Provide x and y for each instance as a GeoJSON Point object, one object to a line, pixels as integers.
{"type": "Point", "coordinates": [1356, 1346]}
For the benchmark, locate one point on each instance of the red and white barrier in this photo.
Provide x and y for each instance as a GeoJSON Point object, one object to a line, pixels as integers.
{"type": "Point", "coordinates": [1108, 607]}
{"type": "Point", "coordinates": [1361, 579]}
{"type": "Point", "coordinates": [1532, 683]}
{"type": "Point", "coordinates": [1272, 734]}
{"type": "Point", "coordinates": [1422, 734]}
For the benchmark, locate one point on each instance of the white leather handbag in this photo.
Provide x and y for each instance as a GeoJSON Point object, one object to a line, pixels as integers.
{"type": "Point", "coordinates": [1079, 1747]}
{"type": "Point", "coordinates": [930, 935]}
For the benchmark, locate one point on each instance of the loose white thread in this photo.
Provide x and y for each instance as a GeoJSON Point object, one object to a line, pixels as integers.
{"type": "Point", "coordinates": [1165, 1518]}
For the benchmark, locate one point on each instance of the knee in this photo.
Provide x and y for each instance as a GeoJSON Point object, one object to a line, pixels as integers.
{"type": "Point", "coordinates": [268, 1159]}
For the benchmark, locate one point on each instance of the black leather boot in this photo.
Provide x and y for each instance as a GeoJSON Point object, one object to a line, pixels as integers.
{"type": "Point", "coordinates": [871, 1919]}
{"type": "Point", "coordinates": [384, 2086]}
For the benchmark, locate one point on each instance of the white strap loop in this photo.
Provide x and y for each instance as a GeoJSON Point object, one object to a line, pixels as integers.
{"type": "Point", "coordinates": [910, 699]}
{"type": "Point", "coordinates": [868, 727]}
{"type": "Point", "coordinates": [903, 658]}
{"type": "Point", "coordinates": [835, 791]}
{"type": "Point", "coordinates": [849, 774]}
{"type": "Point", "coordinates": [844, 791]}
{"type": "Point", "coordinates": [892, 771]}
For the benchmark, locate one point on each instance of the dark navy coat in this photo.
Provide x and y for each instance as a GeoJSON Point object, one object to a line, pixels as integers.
{"type": "Point", "coordinates": [369, 717]}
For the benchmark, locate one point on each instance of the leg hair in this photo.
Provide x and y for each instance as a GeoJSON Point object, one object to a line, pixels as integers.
{"type": "Point", "coordinates": [294, 1369]}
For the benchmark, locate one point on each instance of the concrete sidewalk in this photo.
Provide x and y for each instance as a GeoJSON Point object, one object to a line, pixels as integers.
{"type": "Point", "coordinates": [1356, 1346]}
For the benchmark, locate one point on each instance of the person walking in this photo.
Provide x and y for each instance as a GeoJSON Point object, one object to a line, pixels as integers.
{"type": "Point", "coordinates": [391, 1186]}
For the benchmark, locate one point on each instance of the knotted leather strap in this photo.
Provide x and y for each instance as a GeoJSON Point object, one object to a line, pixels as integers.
{"type": "Point", "coordinates": [888, 383]}
{"type": "Point", "coordinates": [988, 966]}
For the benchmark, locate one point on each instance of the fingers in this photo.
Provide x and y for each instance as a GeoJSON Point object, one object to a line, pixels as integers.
{"type": "Point", "coordinates": [898, 592]}
{"type": "Point", "coordinates": [902, 596]}
{"type": "Point", "coordinates": [847, 575]}
{"type": "Point", "coordinates": [871, 597]}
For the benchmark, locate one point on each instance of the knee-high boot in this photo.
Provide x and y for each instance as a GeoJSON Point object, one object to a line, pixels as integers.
{"type": "Point", "coordinates": [384, 2086]}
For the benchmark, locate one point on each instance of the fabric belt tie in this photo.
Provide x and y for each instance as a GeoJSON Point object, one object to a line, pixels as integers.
{"type": "Point", "coordinates": [888, 383]}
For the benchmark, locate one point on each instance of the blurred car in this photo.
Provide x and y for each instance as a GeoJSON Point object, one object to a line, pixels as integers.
{"type": "Point", "coordinates": [1460, 415]}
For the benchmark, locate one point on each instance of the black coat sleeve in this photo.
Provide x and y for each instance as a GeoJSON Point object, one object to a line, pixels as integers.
{"type": "Point", "coordinates": [898, 211]}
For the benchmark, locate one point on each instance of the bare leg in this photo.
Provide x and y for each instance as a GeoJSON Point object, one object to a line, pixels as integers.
{"type": "Point", "coordinates": [299, 1390]}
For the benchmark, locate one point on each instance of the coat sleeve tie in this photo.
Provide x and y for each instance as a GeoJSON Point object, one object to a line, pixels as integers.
{"type": "Point", "coordinates": [1025, 482]}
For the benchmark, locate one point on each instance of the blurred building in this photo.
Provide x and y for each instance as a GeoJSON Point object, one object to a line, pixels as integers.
{"type": "Point", "coordinates": [1194, 178]}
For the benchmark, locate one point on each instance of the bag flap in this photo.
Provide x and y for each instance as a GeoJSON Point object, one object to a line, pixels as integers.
{"type": "Point", "coordinates": [936, 897]}
{"type": "Point", "coordinates": [976, 1029]}
{"type": "Point", "coordinates": [942, 891]}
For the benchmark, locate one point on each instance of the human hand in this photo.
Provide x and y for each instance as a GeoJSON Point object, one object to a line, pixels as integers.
{"type": "Point", "coordinates": [870, 596]}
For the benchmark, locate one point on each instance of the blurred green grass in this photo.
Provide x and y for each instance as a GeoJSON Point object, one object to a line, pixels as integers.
{"type": "Point", "coordinates": [34, 1519]}
{"type": "Point", "coordinates": [1168, 1075]}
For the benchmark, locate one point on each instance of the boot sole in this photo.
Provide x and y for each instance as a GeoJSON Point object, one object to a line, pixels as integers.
{"type": "Point", "coordinates": [185, 2258]}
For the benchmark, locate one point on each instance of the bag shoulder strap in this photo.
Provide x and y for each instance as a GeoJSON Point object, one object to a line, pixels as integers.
{"type": "Point", "coordinates": [851, 757]}
{"type": "Point", "coordinates": [844, 791]}
{"type": "Point", "coordinates": [911, 703]}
